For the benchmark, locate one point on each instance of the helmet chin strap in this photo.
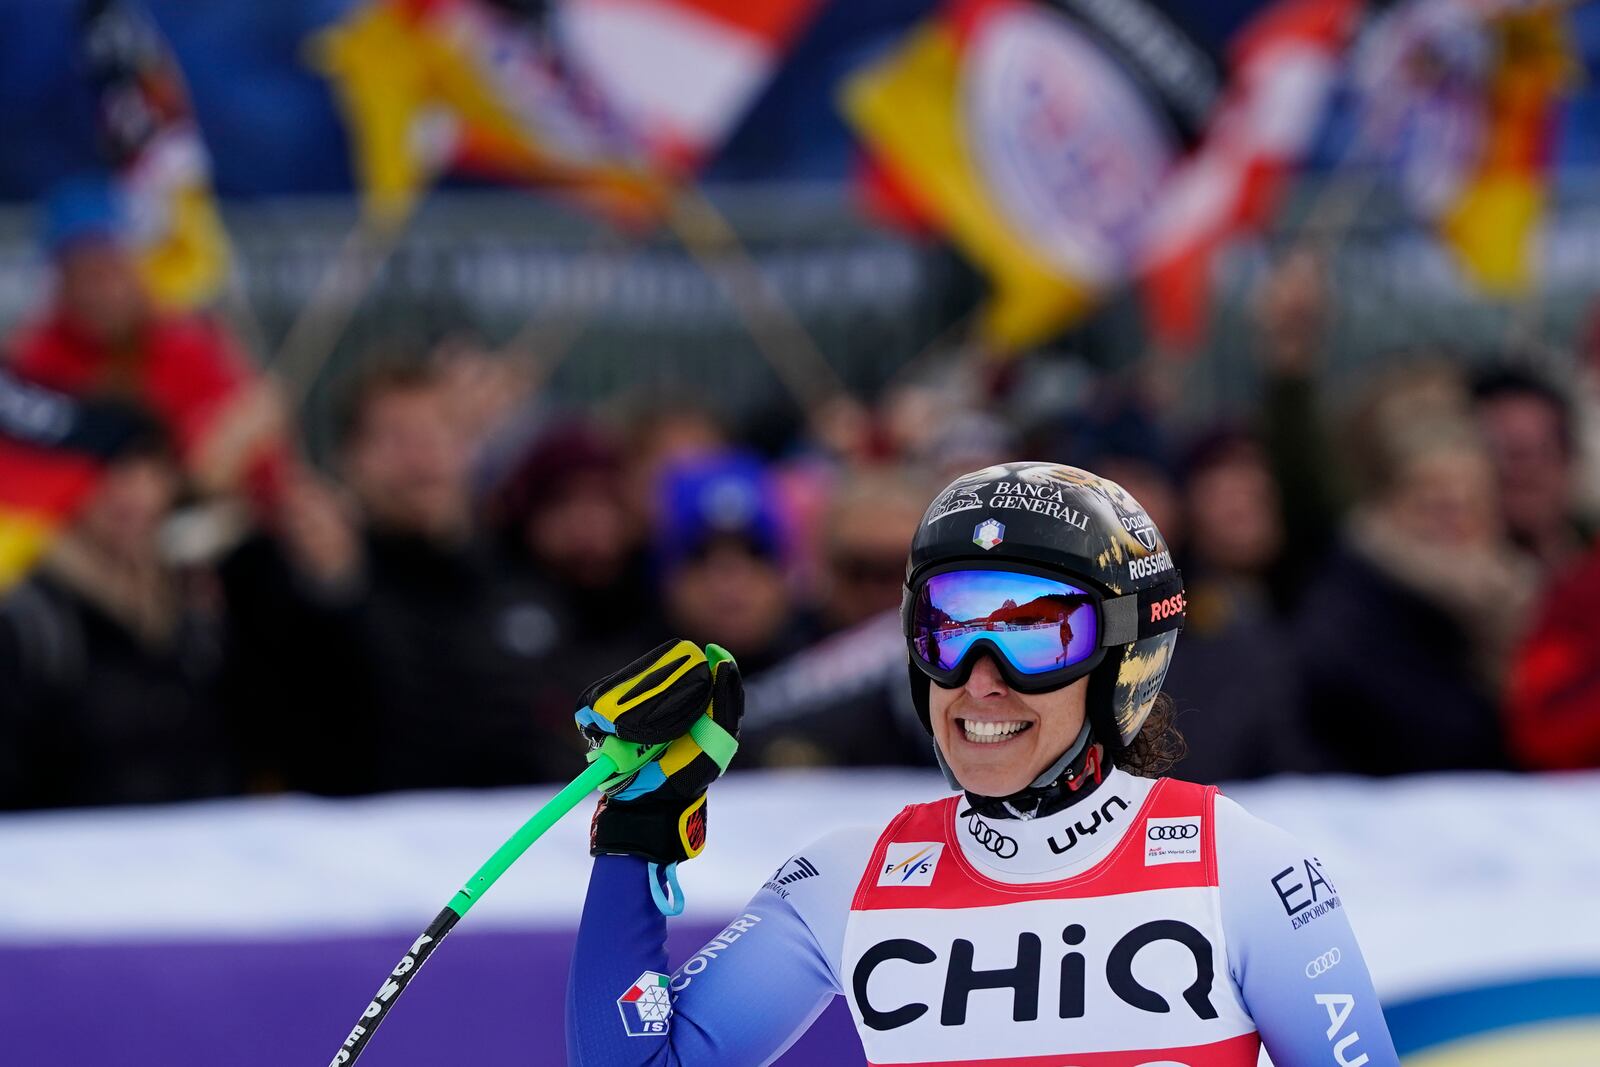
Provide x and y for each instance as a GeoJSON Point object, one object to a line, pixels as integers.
{"type": "Point", "coordinates": [1070, 778]}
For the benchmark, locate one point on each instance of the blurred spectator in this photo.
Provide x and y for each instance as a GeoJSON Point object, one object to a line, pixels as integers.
{"type": "Point", "coordinates": [101, 334]}
{"type": "Point", "coordinates": [841, 702]}
{"type": "Point", "coordinates": [111, 662]}
{"type": "Point", "coordinates": [844, 701]}
{"type": "Point", "coordinates": [1553, 695]}
{"type": "Point", "coordinates": [1233, 675]}
{"type": "Point", "coordinates": [1405, 635]}
{"type": "Point", "coordinates": [867, 534]}
{"type": "Point", "coordinates": [564, 523]}
{"type": "Point", "coordinates": [658, 432]}
{"type": "Point", "coordinates": [720, 545]}
{"type": "Point", "coordinates": [424, 651]}
{"type": "Point", "coordinates": [1527, 425]}
{"type": "Point", "coordinates": [1292, 307]}
{"type": "Point", "coordinates": [1117, 438]}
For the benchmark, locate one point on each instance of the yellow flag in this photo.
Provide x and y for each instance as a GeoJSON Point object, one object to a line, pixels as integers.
{"type": "Point", "coordinates": [186, 264]}
{"type": "Point", "coordinates": [907, 109]}
{"type": "Point", "coordinates": [416, 96]}
{"type": "Point", "coordinates": [1493, 223]}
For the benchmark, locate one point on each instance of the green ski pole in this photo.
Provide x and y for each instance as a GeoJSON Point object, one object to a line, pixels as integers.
{"type": "Point", "coordinates": [611, 762]}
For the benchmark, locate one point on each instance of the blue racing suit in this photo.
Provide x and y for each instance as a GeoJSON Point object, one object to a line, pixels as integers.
{"type": "Point", "coordinates": [1152, 922]}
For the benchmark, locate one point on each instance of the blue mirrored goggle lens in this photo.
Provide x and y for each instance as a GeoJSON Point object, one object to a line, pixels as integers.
{"type": "Point", "coordinates": [1039, 624]}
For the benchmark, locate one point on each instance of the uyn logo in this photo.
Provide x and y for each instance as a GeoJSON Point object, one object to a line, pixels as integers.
{"type": "Point", "coordinates": [910, 863]}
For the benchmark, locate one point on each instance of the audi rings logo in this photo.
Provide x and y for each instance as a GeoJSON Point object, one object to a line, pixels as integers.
{"type": "Point", "coordinates": [991, 839]}
{"type": "Point", "coordinates": [1323, 963]}
{"type": "Point", "coordinates": [1173, 833]}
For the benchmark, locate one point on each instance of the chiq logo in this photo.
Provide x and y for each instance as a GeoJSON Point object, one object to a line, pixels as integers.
{"type": "Point", "coordinates": [1323, 963]}
{"type": "Point", "coordinates": [1173, 833]}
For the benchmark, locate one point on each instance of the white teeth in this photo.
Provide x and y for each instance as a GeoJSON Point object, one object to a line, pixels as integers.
{"type": "Point", "coordinates": [985, 733]}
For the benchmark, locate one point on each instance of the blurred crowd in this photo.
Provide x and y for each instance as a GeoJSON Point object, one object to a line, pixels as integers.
{"type": "Point", "coordinates": [1390, 576]}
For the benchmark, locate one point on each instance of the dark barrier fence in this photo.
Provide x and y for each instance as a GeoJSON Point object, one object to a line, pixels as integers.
{"type": "Point", "coordinates": [638, 312]}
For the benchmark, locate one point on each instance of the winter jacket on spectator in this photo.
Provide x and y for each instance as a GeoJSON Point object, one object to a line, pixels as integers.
{"type": "Point", "coordinates": [1392, 679]}
{"type": "Point", "coordinates": [842, 702]}
{"type": "Point", "coordinates": [108, 701]}
{"type": "Point", "coordinates": [425, 673]}
{"type": "Point", "coordinates": [1553, 695]}
{"type": "Point", "coordinates": [1237, 687]}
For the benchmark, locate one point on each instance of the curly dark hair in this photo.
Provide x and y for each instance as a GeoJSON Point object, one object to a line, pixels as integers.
{"type": "Point", "coordinates": [1158, 744]}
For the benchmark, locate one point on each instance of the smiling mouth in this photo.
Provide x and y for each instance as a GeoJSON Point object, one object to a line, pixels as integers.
{"type": "Point", "coordinates": [991, 733]}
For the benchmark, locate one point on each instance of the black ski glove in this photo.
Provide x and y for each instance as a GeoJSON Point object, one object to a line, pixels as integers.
{"type": "Point", "coordinates": [690, 702]}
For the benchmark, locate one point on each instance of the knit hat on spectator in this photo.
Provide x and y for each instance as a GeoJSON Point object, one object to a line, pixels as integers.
{"type": "Point", "coordinates": [730, 495]}
{"type": "Point", "coordinates": [560, 454]}
{"type": "Point", "coordinates": [85, 207]}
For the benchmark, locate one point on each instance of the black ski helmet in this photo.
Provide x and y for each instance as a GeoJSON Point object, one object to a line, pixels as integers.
{"type": "Point", "coordinates": [1087, 528]}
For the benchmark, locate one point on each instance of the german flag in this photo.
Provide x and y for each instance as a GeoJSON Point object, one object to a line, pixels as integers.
{"type": "Point", "coordinates": [149, 136]}
{"type": "Point", "coordinates": [52, 449]}
{"type": "Point", "coordinates": [1065, 156]}
{"type": "Point", "coordinates": [1492, 224]}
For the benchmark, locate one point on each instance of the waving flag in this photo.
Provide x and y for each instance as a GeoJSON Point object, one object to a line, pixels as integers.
{"type": "Point", "coordinates": [1283, 65]}
{"type": "Point", "coordinates": [1069, 147]}
{"type": "Point", "coordinates": [52, 447]}
{"type": "Point", "coordinates": [432, 86]}
{"type": "Point", "coordinates": [69, 403]}
{"type": "Point", "coordinates": [679, 74]}
{"type": "Point", "coordinates": [148, 133]}
{"type": "Point", "coordinates": [1462, 98]}
{"type": "Point", "coordinates": [611, 102]}
{"type": "Point", "coordinates": [1492, 223]}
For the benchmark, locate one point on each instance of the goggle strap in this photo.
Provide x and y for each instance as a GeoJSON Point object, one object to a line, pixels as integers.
{"type": "Point", "coordinates": [1121, 616]}
{"type": "Point", "coordinates": [1162, 607]}
{"type": "Point", "coordinates": [1143, 614]}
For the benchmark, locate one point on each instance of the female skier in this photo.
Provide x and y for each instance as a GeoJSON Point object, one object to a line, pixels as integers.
{"type": "Point", "coordinates": [1066, 907]}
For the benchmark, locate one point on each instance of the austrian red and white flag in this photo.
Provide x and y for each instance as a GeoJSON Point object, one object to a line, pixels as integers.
{"type": "Point", "coordinates": [680, 74]}
{"type": "Point", "coordinates": [1283, 66]}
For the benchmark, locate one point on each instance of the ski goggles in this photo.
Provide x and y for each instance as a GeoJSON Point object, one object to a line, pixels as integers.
{"type": "Point", "coordinates": [1043, 630]}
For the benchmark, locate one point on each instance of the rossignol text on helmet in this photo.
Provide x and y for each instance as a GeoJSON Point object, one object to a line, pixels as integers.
{"type": "Point", "coordinates": [1057, 574]}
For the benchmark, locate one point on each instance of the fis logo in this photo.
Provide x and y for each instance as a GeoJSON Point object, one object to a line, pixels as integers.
{"type": "Point", "coordinates": [910, 863]}
{"type": "Point", "coordinates": [988, 533]}
{"type": "Point", "coordinates": [647, 1006]}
